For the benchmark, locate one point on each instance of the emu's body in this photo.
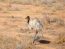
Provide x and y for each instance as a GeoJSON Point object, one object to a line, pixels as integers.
{"type": "Point", "coordinates": [34, 24]}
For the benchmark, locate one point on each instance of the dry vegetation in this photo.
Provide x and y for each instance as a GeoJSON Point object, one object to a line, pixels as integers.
{"type": "Point", "coordinates": [14, 33]}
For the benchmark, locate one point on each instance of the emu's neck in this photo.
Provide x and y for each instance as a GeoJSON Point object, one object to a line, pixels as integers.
{"type": "Point", "coordinates": [28, 20]}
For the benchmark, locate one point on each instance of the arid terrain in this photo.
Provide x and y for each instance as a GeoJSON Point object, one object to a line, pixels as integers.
{"type": "Point", "coordinates": [14, 32]}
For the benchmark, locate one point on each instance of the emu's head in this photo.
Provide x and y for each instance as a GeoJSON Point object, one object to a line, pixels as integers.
{"type": "Point", "coordinates": [28, 19]}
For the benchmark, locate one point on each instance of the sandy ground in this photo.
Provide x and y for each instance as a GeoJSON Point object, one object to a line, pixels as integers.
{"type": "Point", "coordinates": [14, 33]}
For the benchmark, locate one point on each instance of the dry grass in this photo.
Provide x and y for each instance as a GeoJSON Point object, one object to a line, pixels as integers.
{"type": "Point", "coordinates": [7, 42]}
{"type": "Point", "coordinates": [61, 38]}
{"type": "Point", "coordinates": [56, 21]}
{"type": "Point", "coordinates": [32, 2]}
{"type": "Point", "coordinates": [14, 33]}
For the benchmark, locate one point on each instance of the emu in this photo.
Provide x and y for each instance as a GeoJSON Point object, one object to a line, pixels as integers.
{"type": "Point", "coordinates": [34, 24]}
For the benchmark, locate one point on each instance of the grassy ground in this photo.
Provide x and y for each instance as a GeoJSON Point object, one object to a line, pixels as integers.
{"type": "Point", "coordinates": [14, 33]}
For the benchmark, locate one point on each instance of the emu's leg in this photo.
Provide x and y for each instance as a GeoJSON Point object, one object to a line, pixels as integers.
{"type": "Point", "coordinates": [42, 34]}
{"type": "Point", "coordinates": [35, 36]}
